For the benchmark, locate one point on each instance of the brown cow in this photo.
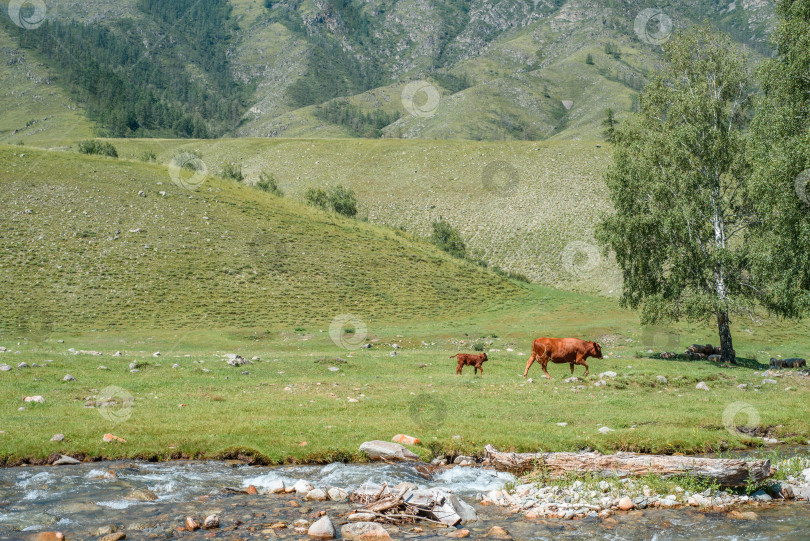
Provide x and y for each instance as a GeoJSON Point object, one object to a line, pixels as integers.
{"type": "Point", "coordinates": [467, 359]}
{"type": "Point", "coordinates": [562, 350]}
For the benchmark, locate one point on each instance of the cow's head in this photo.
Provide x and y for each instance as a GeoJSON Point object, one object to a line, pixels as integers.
{"type": "Point", "coordinates": [596, 350]}
{"type": "Point", "coordinates": [484, 357]}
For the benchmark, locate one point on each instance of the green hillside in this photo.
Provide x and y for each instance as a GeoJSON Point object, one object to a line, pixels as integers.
{"type": "Point", "coordinates": [527, 207]}
{"type": "Point", "coordinates": [82, 249]}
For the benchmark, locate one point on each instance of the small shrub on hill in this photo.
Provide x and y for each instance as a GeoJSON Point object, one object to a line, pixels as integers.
{"type": "Point", "coordinates": [101, 148]}
{"type": "Point", "coordinates": [232, 171]}
{"type": "Point", "coordinates": [267, 183]}
{"type": "Point", "coordinates": [446, 237]}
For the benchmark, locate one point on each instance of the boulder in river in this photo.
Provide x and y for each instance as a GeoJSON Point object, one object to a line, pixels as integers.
{"type": "Point", "coordinates": [318, 495]}
{"type": "Point", "coordinates": [211, 522]}
{"type": "Point", "coordinates": [386, 450]}
{"type": "Point", "coordinates": [337, 494]}
{"type": "Point", "coordinates": [364, 531]}
{"type": "Point", "coordinates": [303, 487]}
{"type": "Point", "coordinates": [192, 524]}
{"type": "Point", "coordinates": [322, 529]}
{"type": "Point", "coordinates": [65, 460]}
{"type": "Point", "coordinates": [276, 486]}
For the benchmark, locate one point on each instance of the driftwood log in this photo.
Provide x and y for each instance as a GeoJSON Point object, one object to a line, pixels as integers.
{"type": "Point", "coordinates": [729, 472]}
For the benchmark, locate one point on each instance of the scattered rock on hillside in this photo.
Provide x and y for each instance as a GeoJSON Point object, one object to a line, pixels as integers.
{"type": "Point", "coordinates": [702, 386]}
{"type": "Point", "coordinates": [23, 365]}
{"type": "Point", "coordinates": [608, 374]}
{"type": "Point", "coordinates": [58, 437]}
{"type": "Point", "coordinates": [68, 377]}
{"type": "Point", "coordinates": [661, 379]}
{"type": "Point", "coordinates": [386, 450]}
{"type": "Point", "coordinates": [605, 430]}
{"type": "Point", "coordinates": [572, 379]}
{"type": "Point", "coordinates": [769, 382]}
{"type": "Point", "coordinates": [65, 460]}
{"type": "Point", "coordinates": [38, 399]}
{"type": "Point", "coordinates": [5, 368]}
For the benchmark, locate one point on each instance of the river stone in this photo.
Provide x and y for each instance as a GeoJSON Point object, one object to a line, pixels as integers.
{"type": "Point", "coordinates": [360, 516]}
{"type": "Point", "coordinates": [459, 534]}
{"type": "Point", "coordinates": [211, 522]}
{"type": "Point", "coordinates": [337, 494]}
{"type": "Point", "coordinates": [761, 496]}
{"type": "Point", "coordinates": [141, 495]}
{"type": "Point", "coordinates": [702, 386]}
{"type": "Point", "coordinates": [318, 495]}
{"type": "Point", "coordinates": [49, 536]}
{"type": "Point", "coordinates": [386, 450]}
{"type": "Point", "coordinates": [192, 524]}
{"type": "Point", "coordinates": [626, 504]}
{"type": "Point", "coordinates": [65, 460]}
{"type": "Point", "coordinates": [302, 487]}
{"type": "Point", "coordinates": [322, 529]}
{"type": "Point", "coordinates": [496, 532]}
{"type": "Point", "coordinates": [117, 536]}
{"type": "Point", "coordinates": [276, 486]}
{"type": "Point", "coordinates": [364, 531]}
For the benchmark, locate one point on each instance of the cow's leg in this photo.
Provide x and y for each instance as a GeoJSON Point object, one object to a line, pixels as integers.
{"type": "Point", "coordinates": [586, 366]}
{"type": "Point", "coordinates": [528, 364]}
{"type": "Point", "coordinates": [581, 360]}
{"type": "Point", "coordinates": [544, 365]}
{"type": "Point", "coordinates": [458, 368]}
{"type": "Point", "coordinates": [481, 368]}
{"type": "Point", "coordinates": [572, 368]}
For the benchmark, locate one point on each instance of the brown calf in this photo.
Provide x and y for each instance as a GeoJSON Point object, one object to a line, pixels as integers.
{"type": "Point", "coordinates": [467, 359]}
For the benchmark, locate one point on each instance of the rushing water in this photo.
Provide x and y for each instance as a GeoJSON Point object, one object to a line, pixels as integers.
{"type": "Point", "coordinates": [77, 500]}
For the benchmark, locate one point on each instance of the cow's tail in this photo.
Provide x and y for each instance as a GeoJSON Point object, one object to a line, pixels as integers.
{"type": "Point", "coordinates": [454, 356]}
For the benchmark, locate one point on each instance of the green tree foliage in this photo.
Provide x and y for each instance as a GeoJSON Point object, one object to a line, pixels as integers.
{"type": "Point", "coordinates": [343, 200]}
{"type": "Point", "coordinates": [338, 198]}
{"type": "Point", "coordinates": [677, 184]}
{"type": "Point", "coordinates": [267, 183]}
{"type": "Point", "coordinates": [446, 237]}
{"type": "Point", "coordinates": [132, 91]}
{"type": "Point", "coordinates": [589, 59]}
{"type": "Point", "coordinates": [231, 171]}
{"type": "Point", "coordinates": [101, 148]}
{"type": "Point", "coordinates": [613, 50]}
{"type": "Point", "coordinates": [609, 124]}
{"type": "Point", "coordinates": [317, 197]}
{"type": "Point", "coordinates": [780, 152]}
{"type": "Point", "coordinates": [352, 117]}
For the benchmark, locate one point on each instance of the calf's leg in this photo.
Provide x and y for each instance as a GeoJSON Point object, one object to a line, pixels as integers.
{"type": "Point", "coordinates": [528, 364]}
{"type": "Point", "coordinates": [544, 364]}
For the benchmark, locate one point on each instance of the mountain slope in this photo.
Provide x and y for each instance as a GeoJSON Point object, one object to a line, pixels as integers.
{"type": "Point", "coordinates": [507, 69]}
{"type": "Point", "coordinates": [83, 248]}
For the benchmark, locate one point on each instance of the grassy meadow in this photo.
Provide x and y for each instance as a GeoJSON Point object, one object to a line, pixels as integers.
{"type": "Point", "coordinates": [108, 255]}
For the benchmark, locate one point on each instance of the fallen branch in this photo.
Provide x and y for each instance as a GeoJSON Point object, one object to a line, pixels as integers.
{"type": "Point", "coordinates": [725, 471]}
